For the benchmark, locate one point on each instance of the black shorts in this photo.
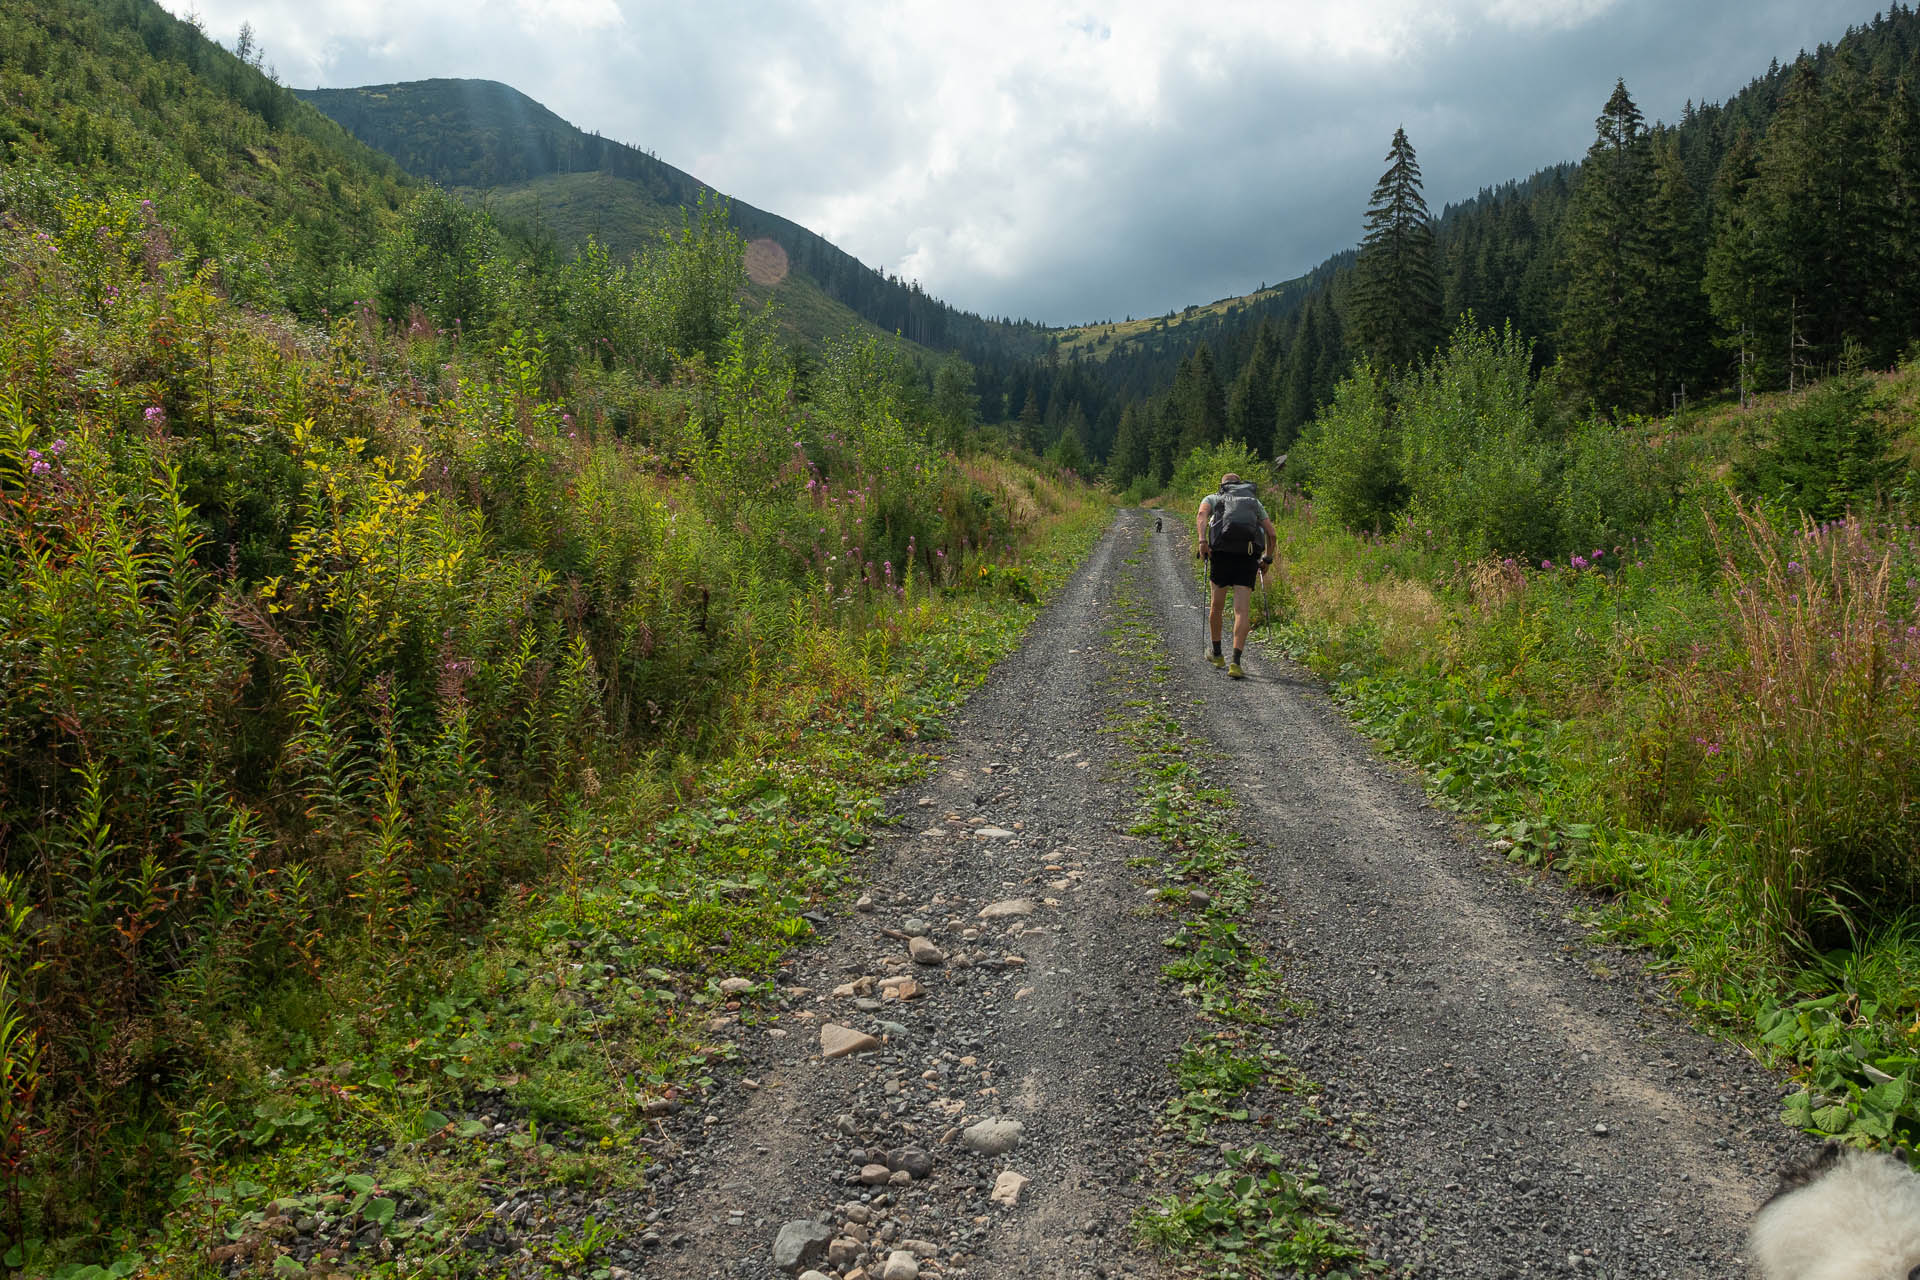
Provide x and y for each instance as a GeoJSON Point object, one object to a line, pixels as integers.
{"type": "Point", "coordinates": [1231, 569]}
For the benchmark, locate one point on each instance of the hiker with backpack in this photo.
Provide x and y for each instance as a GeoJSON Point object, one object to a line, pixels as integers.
{"type": "Point", "coordinates": [1235, 536]}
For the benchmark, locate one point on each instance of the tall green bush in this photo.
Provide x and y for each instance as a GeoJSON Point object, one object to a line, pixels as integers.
{"type": "Point", "coordinates": [1479, 476]}
{"type": "Point", "coordinates": [1352, 453]}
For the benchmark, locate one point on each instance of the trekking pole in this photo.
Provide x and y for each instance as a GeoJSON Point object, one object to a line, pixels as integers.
{"type": "Point", "coordinates": [1205, 606]}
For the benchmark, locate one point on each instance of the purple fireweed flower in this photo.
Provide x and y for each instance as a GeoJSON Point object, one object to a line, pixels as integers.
{"type": "Point", "coordinates": [1793, 566]}
{"type": "Point", "coordinates": [59, 447]}
{"type": "Point", "coordinates": [155, 415]}
{"type": "Point", "coordinates": [1579, 562]}
{"type": "Point", "coordinates": [41, 468]}
{"type": "Point", "coordinates": [1546, 564]}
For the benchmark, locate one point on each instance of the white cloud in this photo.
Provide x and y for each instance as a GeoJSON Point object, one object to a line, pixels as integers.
{"type": "Point", "coordinates": [1065, 160]}
{"type": "Point", "coordinates": [1528, 15]}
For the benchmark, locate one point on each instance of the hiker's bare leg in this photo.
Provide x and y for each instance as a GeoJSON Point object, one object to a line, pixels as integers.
{"type": "Point", "coordinates": [1242, 616]}
{"type": "Point", "coordinates": [1214, 616]}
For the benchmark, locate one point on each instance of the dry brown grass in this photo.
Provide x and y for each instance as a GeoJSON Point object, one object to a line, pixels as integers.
{"type": "Point", "coordinates": [1820, 740]}
{"type": "Point", "coordinates": [1408, 616]}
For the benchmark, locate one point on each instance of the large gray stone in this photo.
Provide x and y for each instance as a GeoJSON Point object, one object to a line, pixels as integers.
{"type": "Point", "coordinates": [993, 1137]}
{"type": "Point", "coordinates": [800, 1244]}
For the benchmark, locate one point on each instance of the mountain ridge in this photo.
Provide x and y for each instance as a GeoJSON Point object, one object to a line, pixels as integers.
{"type": "Point", "coordinates": [498, 142]}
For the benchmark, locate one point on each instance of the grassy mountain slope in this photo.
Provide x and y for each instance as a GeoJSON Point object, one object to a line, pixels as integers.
{"type": "Point", "coordinates": [1101, 341]}
{"type": "Point", "coordinates": [501, 144]}
{"type": "Point", "coordinates": [119, 92]}
{"type": "Point", "coordinates": [623, 215]}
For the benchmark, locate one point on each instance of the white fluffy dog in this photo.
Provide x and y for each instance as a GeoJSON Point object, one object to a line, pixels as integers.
{"type": "Point", "coordinates": [1849, 1215]}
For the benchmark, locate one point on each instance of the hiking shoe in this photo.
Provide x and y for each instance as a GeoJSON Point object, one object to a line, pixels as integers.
{"type": "Point", "coordinates": [1236, 672]}
{"type": "Point", "coordinates": [1216, 660]}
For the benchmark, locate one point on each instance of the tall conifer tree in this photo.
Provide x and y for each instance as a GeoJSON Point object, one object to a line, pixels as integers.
{"type": "Point", "coordinates": [1199, 402]}
{"type": "Point", "coordinates": [1676, 305]}
{"type": "Point", "coordinates": [1132, 450]}
{"type": "Point", "coordinates": [1606, 325]}
{"type": "Point", "coordinates": [1250, 402]}
{"type": "Point", "coordinates": [1032, 424]}
{"type": "Point", "coordinates": [1900, 160]}
{"type": "Point", "coordinates": [1790, 184]}
{"type": "Point", "coordinates": [1854, 291]}
{"type": "Point", "coordinates": [1736, 266]}
{"type": "Point", "coordinates": [1293, 381]}
{"type": "Point", "coordinates": [1396, 284]}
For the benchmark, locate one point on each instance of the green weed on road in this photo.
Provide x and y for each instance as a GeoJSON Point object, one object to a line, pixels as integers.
{"type": "Point", "coordinates": [1240, 1209]}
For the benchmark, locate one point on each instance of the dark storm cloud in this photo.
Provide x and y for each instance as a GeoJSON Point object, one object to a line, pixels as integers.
{"type": "Point", "coordinates": [1069, 162]}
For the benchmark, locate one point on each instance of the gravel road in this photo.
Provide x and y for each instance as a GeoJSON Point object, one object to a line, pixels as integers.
{"type": "Point", "coordinates": [1499, 1097]}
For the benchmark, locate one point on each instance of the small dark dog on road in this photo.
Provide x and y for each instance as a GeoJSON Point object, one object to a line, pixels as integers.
{"type": "Point", "coordinates": [1847, 1215]}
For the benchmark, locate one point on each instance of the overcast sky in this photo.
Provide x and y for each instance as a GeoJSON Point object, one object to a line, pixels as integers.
{"type": "Point", "coordinates": [1056, 161]}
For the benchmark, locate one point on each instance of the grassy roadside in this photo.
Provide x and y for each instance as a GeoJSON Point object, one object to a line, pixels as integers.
{"type": "Point", "coordinates": [401, 730]}
{"type": "Point", "coordinates": [1240, 1207]}
{"type": "Point", "coordinates": [357, 1147]}
{"type": "Point", "coordinates": [1653, 721]}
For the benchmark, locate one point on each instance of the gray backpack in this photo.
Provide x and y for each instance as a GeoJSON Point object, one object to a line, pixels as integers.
{"type": "Point", "coordinates": [1234, 521]}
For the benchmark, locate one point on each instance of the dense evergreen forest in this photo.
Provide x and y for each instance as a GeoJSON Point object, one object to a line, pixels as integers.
{"type": "Point", "coordinates": [1750, 245]}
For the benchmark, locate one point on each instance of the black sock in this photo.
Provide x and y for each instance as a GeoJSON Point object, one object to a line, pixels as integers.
{"type": "Point", "coordinates": [1216, 648]}
{"type": "Point", "coordinates": [1236, 655]}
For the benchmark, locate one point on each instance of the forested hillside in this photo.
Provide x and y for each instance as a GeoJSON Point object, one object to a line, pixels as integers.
{"type": "Point", "coordinates": [1748, 245]}
{"type": "Point", "coordinates": [393, 618]}
{"type": "Point", "coordinates": [286, 202]}
{"type": "Point", "coordinates": [492, 140]}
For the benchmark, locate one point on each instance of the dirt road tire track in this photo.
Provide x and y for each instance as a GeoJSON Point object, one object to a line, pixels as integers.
{"type": "Point", "coordinates": [1458, 1023]}
{"type": "Point", "coordinates": [1534, 1105]}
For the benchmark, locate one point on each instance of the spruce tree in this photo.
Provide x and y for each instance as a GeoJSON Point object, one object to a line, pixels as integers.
{"type": "Point", "coordinates": [1200, 403]}
{"type": "Point", "coordinates": [1396, 286]}
{"type": "Point", "coordinates": [955, 406]}
{"type": "Point", "coordinates": [1250, 402]}
{"type": "Point", "coordinates": [1790, 224]}
{"type": "Point", "coordinates": [1676, 305]}
{"type": "Point", "coordinates": [1606, 327]}
{"type": "Point", "coordinates": [1294, 389]}
{"type": "Point", "coordinates": [1032, 424]}
{"type": "Point", "coordinates": [1132, 450]}
{"type": "Point", "coordinates": [1854, 289]}
{"type": "Point", "coordinates": [1736, 266]}
{"type": "Point", "coordinates": [1161, 431]}
{"type": "Point", "coordinates": [1900, 161]}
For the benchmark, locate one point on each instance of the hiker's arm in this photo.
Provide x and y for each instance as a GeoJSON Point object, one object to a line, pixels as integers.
{"type": "Point", "coordinates": [1200, 529]}
{"type": "Point", "coordinates": [1273, 541]}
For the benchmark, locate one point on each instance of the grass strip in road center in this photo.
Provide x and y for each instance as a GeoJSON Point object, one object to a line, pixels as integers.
{"type": "Point", "coordinates": [1241, 1208]}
